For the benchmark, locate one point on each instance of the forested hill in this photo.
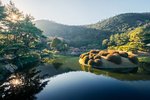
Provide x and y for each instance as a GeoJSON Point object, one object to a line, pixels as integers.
{"type": "Point", "coordinates": [122, 23]}
{"type": "Point", "coordinates": [94, 33]}
{"type": "Point", "coordinates": [75, 35]}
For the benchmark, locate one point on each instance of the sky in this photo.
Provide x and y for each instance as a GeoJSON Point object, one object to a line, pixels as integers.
{"type": "Point", "coordinates": [79, 12]}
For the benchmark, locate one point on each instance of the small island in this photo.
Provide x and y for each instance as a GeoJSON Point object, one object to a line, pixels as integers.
{"type": "Point", "coordinates": [110, 59]}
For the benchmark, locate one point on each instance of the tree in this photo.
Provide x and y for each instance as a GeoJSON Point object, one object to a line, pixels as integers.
{"type": "Point", "coordinates": [59, 45]}
{"type": "Point", "coordinates": [105, 43]}
{"type": "Point", "coordinates": [2, 11]}
{"type": "Point", "coordinates": [111, 41]}
{"type": "Point", "coordinates": [20, 32]}
{"type": "Point", "coordinates": [29, 33]}
{"type": "Point", "coordinates": [55, 43]}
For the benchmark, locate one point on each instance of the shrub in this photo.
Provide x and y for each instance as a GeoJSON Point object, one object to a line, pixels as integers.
{"type": "Point", "coordinates": [97, 57]}
{"type": "Point", "coordinates": [133, 59]}
{"type": "Point", "coordinates": [97, 62]}
{"type": "Point", "coordinates": [114, 58]}
{"type": "Point", "coordinates": [86, 59]}
{"type": "Point", "coordinates": [123, 54]}
{"type": "Point", "coordinates": [112, 51]}
{"type": "Point", "coordinates": [91, 56]}
{"type": "Point", "coordinates": [82, 55]}
{"type": "Point", "coordinates": [91, 62]}
{"type": "Point", "coordinates": [103, 53]}
{"type": "Point", "coordinates": [94, 51]}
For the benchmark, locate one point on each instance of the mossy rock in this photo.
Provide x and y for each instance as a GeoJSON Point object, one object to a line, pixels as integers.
{"type": "Point", "coordinates": [114, 58]}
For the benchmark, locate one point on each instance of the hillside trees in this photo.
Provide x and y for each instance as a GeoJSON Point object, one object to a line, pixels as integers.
{"type": "Point", "coordinates": [134, 40]}
{"type": "Point", "coordinates": [59, 45]}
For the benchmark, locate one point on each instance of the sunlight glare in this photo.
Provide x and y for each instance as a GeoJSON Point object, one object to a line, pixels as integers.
{"type": "Point", "coordinates": [16, 82]}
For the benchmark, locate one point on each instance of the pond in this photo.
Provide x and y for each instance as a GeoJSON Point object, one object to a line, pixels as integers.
{"type": "Point", "coordinates": [67, 80]}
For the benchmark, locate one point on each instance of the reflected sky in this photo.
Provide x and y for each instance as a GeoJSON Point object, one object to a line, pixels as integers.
{"type": "Point", "coordinates": [84, 85]}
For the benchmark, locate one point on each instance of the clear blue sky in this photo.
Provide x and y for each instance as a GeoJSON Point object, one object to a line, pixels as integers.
{"type": "Point", "coordinates": [79, 12]}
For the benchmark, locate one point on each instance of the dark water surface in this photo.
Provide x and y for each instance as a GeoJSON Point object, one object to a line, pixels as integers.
{"type": "Point", "coordinates": [87, 86]}
{"type": "Point", "coordinates": [67, 80]}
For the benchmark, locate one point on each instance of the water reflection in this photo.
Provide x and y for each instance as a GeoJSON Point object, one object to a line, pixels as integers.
{"type": "Point", "coordinates": [87, 86]}
{"type": "Point", "coordinates": [22, 86]}
{"type": "Point", "coordinates": [16, 80]}
{"type": "Point", "coordinates": [142, 74]}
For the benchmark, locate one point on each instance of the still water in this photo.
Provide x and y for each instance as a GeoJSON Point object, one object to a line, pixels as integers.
{"type": "Point", "coordinates": [66, 80]}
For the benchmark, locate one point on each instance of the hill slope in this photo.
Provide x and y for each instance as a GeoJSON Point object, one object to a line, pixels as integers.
{"type": "Point", "coordinates": [95, 33]}
{"type": "Point", "coordinates": [123, 22]}
{"type": "Point", "coordinates": [75, 35]}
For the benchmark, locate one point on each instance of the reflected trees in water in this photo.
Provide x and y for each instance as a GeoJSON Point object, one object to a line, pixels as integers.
{"type": "Point", "coordinates": [22, 86]}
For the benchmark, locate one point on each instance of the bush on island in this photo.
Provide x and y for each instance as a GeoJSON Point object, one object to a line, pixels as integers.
{"type": "Point", "coordinates": [91, 56]}
{"type": "Point", "coordinates": [123, 54]}
{"type": "Point", "coordinates": [114, 58]}
{"type": "Point", "coordinates": [91, 62]}
{"type": "Point", "coordinates": [84, 54]}
{"type": "Point", "coordinates": [133, 59]}
{"type": "Point", "coordinates": [103, 53]}
{"type": "Point", "coordinates": [112, 51]}
{"type": "Point", "coordinates": [97, 57]}
{"type": "Point", "coordinates": [97, 62]}
{"type": "Point", "coordinates": [94, 51]}
{"type": "Point", "coordinates": [86, 59]}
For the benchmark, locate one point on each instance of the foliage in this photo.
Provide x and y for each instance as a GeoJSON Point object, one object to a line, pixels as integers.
{"type": "Point", "coordinates": [19, 37]}
{"type": "Point", "coordinates": [114, 58]}
{"type": "Point", "coordinates": [97, 57]}
{"type": "Point", "coordinates": [97, 62]}
{"type": "Point", "coordinates": [134, 40]}
{"type": "Point", "coordinates": [94, 34]}
{"type": "Point", "coordinates": [103, 53]}
{"type": "Point", "coordinates": [91, 55]}
{"type": "Point", "coordinates": [2, 11]}
{"type": "Point", "coordinates": [84, 54]}
{"type": "Point", "coordinates": [86, 59]}
{"type": "Point", "coordinates": [76, 36]}
{"type": "Point", "coordinates": [123, 54]}
{"type": "Point", "coordinates": [122, 23]}
{"type": "Point", "coordinates": [144, 59]}
{"type": "Point", "coordinates": [94, 51]}
{"type": "Point", "coordinates": [133, 59]}
{"type": "Point", "coordinates": [59, 45]}
{"type": "Point", "coordinates": [91, 62]}
{"type": "Point", "coordinates": [105, 43]}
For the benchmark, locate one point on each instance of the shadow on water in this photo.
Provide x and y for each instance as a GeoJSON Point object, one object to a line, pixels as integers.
{"type": "Point", "coordinates": [22, 86]}
{"type": "Point", "coordinates": [143, 73]}
{"type": "Point", "coordinates": [57, 65]}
